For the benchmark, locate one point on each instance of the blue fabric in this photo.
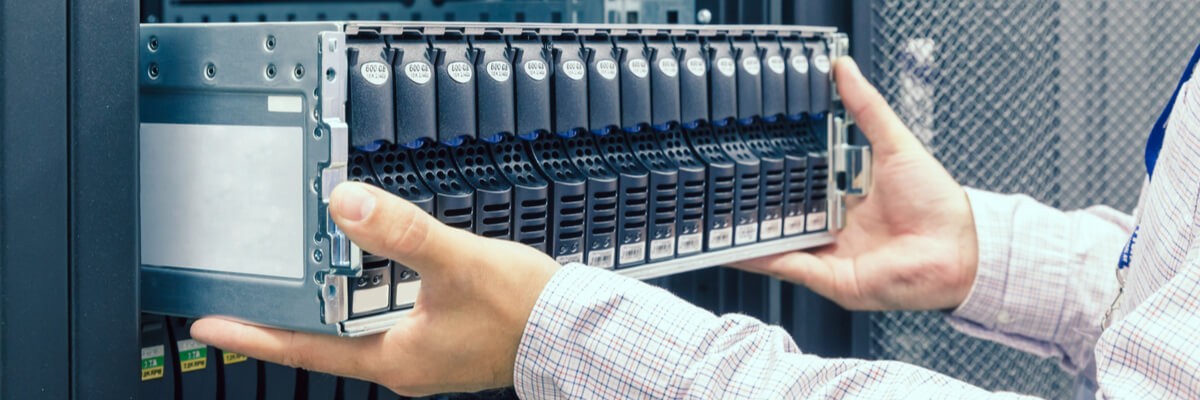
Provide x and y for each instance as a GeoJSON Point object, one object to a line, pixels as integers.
{"type": "Point", "coordinates": [1155, 142]}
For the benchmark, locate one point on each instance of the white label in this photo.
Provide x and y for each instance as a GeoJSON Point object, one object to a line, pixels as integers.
{"type": "Point", "coordinates": [459, 71]}
{"type": "Point", "coordinates": [569, 258]}
{"type": "Point", "coordinates": [751, 65]}
{"type": "Point", "coordinates": [816, 222]}
{"type": "Point", "coordinates": [600, 258]}
{"type": "Point", "coordinates": [770, 229]}
{"type": "Point", "coordinates": [639, 67]}
{"type": "Point", "coordinates": [726, 66]}
{"type": "Point", "coordinates": [668, 66]}
{"type": "Point", "coordinates": [696, 66]}
{"type": "Point", "coordinates": [189, 345]}
{"type": "Point", "coordinates": [574, 69]}
{"type": "Point", "coordinates": [822, 63]}
{"type": "Point", "coordinates": [285, 104]}
{"type": "Point", "coordinates": [633, 252]}
{"type": "Point", "coordinates": [372, 299]}
{"type": "Point", "coordinates": [690, 243]}
{"type": "Point", "coordinates": [800, 64]}
{"type": "Point", "coordinates": [746, 233]}
{"type": "Point", "coordinates": [406, 293]}
{"type": "Point", "coordinates": [418, 72]}
{"type": "Point", "coordinates": [221, 165]}
{"type": "Point", "coordinates": [153, 351]}
{"type": "Point", "coordinates": [720, 238]}
{"type": "Point", "coordinates": [499, 70]}
{"type": "Point", "coordinates": [607, 69]}
{"type": "Point", "coordinates": [375, 72]}
{"type": "Point", "coordinates": [775, 63]}
{"type": "Point", "coordinates": [662, 248]}
{"type": "Point", "coordinates": [793, 225]}
{"type": "Point", "coordinates": [536, 69]}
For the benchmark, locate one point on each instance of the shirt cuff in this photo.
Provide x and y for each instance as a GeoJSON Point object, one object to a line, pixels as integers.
{"type": "Point", "coordinates": [1023, 273]}
{"type": "Point", "coordinates": [993, 232]}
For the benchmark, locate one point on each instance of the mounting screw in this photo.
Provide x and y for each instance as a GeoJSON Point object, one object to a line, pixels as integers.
{"type": "Point", "coordinates": [318, 255]}
{"type": "Point", "coordinates": [703, 16]}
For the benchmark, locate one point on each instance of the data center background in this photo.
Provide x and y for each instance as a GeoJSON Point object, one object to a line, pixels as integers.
{"type": "Point", "coordinates": [985, 84]}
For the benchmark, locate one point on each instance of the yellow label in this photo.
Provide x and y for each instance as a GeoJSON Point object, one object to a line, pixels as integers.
{"type": "Point", "coordinates": [233, 358]}
{"type": "Point", "coordinates": [152, 373]}
{"type": "Point", "coordinates": [192, 365]}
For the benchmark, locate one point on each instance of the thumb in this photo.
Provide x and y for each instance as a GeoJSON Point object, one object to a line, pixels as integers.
{"type": "Point", "coordinates": [871, 112]}
{"type": "Point", "coordinates": [391, 227]}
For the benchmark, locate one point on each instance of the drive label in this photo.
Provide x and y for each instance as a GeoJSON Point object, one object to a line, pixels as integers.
{"type": "Point", "coordinates": [690, 243]}
{"type": "Point", "coordinates": [499, 70]}
{"type": "Point", "coordinates": [639, 67]}
{"type": "Point", "coordinates": [800, 64]}
{"type": "Point", "coordinates": [726, 66]}
{"type": "Point", "coordinates": [662, 248]}
{"type": "Point", "coordinates": [696, 66]}
{"type": "Point", "coordinates": [668, 66]}
{"type": "Point", "coordinates": [752, 65]}
{"type": "Point", "coordinates": [607, 69]}
{"type": "Point", "coordinates": [233, 358]}
{"type": "Point", "coordinates": [633, 252]}
{"type": "Point", "coordinates": [418, 72]}
{"type": "Point", "coordinates": [536, 69]}
{"type": "Point", "coordinates": [601, 258]}
{"type": "Point", "coordinates": [569, 258]}
{"type": "Point", "coordinates": [193, 355]}
{"type": "Point", "coordinates": [152, 362]}
{"type": "Point", "coordinates": [770, 229]}
{"type": "Point", "coordinates": [460, 72]}
{"type": "Point", "coordinates": [793, 225]}
{"type": "Point", "coordinates": [775, 63]}
{"type": "Point", "coordinates": [821, 61]}
{"type": "Point", "coordinates": [746, 233]}
{"type": "Point", "coordinates": [375, 72]}
{"type": "Point", "coordinates": [574, 69]}
{"type": "Point", "coordinates": [720, 238]}
{"type": "Point", "coordinates": [816, 221]}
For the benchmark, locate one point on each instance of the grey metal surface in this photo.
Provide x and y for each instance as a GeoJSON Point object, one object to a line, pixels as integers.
{"type": "Point", "coordinates": [179, 87]}
{"type": "Point", "coordinates": [246, 214]}
{"type": "Point", "coordinates": [554, 11]}
{"type": "Point", "coordinates": [35, 326]}
{"type": "Point", "coordinates": [379, 323]}
{"type": "Point", "coordinates": [1049, 98]}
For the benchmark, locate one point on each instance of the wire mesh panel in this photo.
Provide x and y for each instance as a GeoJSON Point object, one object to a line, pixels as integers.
{"type": "Point", "coordinates": [1049, 98]}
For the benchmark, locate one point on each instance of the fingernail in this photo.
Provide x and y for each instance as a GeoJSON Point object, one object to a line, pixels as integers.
{"type": "Point", "coordinates": [353, 202]}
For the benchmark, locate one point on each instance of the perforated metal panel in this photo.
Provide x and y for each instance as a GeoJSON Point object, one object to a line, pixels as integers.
{"type": "Point", "coordinates": [1048, 98]}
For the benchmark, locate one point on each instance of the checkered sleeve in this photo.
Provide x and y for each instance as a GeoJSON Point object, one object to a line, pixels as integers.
{"type": "Point", "coordinates": [597, 335]}
{"type": "Point", "coordinates": [1045, 277]}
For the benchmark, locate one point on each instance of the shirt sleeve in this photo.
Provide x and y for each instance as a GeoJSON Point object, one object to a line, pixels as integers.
{"type": "Point", "coordinates": [595, 334]}
{"type": "Point", "coordinates": [1045, 277]}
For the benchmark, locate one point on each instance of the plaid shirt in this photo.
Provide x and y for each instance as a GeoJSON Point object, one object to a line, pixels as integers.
{"type": "Point", "coordinates": [1045, 280]}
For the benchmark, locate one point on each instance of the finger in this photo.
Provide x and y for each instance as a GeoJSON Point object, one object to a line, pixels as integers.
{"type": "Point", "coordinates": [871, 112]}
{"type": "Point", "coordinates": [392, 227]}
{"type": "Point", "coordinates": [817, 271]}
{"type": "Point", "coordinates": [339, 356]}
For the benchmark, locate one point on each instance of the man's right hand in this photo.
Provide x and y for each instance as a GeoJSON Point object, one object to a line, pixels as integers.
{"type": "Point", "coordinates": [910, 244]}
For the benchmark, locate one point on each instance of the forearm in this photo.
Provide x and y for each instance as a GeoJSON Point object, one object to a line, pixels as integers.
{"type": "Point", "coordinates": [593, 334]}
{"type": "Point", "coordinates": [1045, 277]}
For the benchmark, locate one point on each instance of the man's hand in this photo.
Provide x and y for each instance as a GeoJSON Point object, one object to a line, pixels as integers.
{"type": "Point", "coordinates": [462, 335]}
{"type": "Point", "coordinates": [910, 244]}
